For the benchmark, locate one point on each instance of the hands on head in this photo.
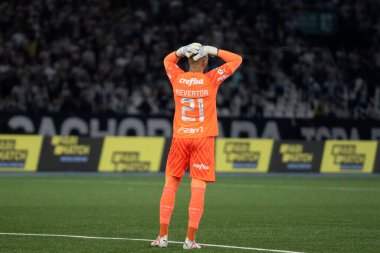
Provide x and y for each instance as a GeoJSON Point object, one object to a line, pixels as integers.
{"type": "Point", "coordinates": [196, 51]}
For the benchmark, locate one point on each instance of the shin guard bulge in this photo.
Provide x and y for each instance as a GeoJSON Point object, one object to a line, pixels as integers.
{"type": "Point", "coordinates": [196, 206]}
{"type": "Point", "coordinates": [167, 202]}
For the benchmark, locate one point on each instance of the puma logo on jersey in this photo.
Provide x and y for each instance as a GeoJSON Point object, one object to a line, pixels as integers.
{"type": "Point", "coordinates": [191, 82]}
{"type": "Point", "coordinates": [222, 78]}
{"type": "Point", "coordinates": [201, 166]}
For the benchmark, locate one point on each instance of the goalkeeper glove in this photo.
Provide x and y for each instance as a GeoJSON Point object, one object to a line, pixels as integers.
{"type": "Point", "coordinates": [205, 50]}
{"type": "Point", "coordinates": [188, 50]}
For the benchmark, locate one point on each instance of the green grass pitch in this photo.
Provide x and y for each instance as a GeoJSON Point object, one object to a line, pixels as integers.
{"type": "Point", "coordinates": [295, 213]}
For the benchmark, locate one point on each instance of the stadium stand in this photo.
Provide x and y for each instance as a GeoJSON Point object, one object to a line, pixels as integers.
{"type": "Point", "coordinates": [101, 56]}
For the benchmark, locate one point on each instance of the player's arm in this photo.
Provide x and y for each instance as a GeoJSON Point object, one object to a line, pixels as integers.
{"type": "Point", "coordinates": [232, 62]}
{"type": "Point", "coordinates": [171, 67]}
{"type": "Point", "coordinates": [171, 60]}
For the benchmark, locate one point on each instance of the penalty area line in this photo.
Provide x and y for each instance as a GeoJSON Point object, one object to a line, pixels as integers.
{"type": "Point", "coordinates": [145, 240]}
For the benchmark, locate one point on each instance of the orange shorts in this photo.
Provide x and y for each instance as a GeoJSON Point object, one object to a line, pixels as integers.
{"type": "Point", "coordinates": [196, 153]}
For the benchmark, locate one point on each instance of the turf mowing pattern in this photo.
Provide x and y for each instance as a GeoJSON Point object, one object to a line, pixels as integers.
{"type": "Point", "coordinates": [308, 214]}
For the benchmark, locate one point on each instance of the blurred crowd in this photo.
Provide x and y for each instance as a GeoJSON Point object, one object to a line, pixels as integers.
{"type": "Point", "coordinates": [105, 56]}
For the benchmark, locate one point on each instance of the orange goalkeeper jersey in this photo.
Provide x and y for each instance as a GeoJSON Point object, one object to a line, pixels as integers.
{"type": "Point", "coordinates": [195, 95]}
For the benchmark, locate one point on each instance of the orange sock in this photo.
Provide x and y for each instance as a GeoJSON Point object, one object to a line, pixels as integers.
{"type": "Point", "coordinates": [164, 229]}
{"type": "Point", "coordinates": [198, 189]}
{"type": "Point", "coordinates": [167, 203]}
{"type": "Point", "coordinates": [191, 233]}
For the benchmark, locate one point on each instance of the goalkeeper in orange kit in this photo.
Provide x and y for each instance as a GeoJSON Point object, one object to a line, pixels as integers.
{"type": "Point", "coordinates": [194, 129]}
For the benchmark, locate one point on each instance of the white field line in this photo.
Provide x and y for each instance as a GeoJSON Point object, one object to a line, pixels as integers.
{"type": "Point", "coordinates": [145, 240]}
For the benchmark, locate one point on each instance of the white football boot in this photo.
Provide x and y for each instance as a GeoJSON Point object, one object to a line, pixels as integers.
{"type": "Point", "coordinates": [161, 242]}
{"type": "Point", "coordinates": [189, 244]}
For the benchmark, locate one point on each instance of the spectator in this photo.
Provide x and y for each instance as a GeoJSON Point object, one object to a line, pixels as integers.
{"type": "Point", "coordinates": [99, 56]}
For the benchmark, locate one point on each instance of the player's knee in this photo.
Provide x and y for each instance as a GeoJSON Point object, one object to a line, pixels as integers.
{"type": "Point", "coordinates": [172, 182]}
{"type": "Point", "coordinates": [196, 183]}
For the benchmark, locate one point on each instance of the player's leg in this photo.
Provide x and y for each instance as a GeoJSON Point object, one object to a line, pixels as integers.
{"type": "Point", "coordinates": [177, 163]}
{"type": "Point", "coordinates": [198, 189]}
{"type": "Point", "coordinates": [167, 202]}
{"type": "Point", "coordinates": [166, 209]}
{"type": "Point", "coordinates": [202, 170]}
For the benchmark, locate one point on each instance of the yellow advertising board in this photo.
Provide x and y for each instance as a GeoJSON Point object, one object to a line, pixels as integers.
{"type": "Point", "coordinates": [243, 155]}
{"type": "Point", "coordinates": [348, 156]}
{"type": "Point", "coordinates": [135, 154]}
{"type": "Point", "coordinates": [19, 152]}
